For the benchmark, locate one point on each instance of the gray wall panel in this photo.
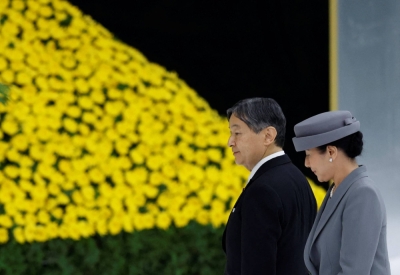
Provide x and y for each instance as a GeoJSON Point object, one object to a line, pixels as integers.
{"type": "Point", "coordinates": [369, 86]}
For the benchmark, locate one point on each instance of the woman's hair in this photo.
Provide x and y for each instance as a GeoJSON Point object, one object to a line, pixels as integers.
{"type": "Point", "coordinates": [351, 145]}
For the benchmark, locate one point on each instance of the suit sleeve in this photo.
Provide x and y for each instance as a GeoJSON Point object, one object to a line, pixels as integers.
{"type": "Point", "coordinates": [261, 229]}
{"type": "Point", "coordinates": [363, 218]}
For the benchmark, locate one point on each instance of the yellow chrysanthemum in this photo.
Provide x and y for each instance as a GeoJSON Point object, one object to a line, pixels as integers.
{"type": "Point", "coordinates": [3, 235]}
{"type": "Point", "coordinates": [5, 221]}
{"type": "Point", "coordinates": [11, 171]}
{"type": "Point", "coordinates": [163, 220]}
{"type": "Point", "coordinates": [19, 234]}
{"type": "Point", "coordinates": [9, 127]}
{"type": "Point", "coordinates": [96, 129]}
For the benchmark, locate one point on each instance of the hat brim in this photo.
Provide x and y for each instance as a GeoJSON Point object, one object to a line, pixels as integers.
{"type": "Point", "coordinates": [308, 142]}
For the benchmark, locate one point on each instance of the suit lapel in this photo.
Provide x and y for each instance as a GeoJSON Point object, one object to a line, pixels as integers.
{"type": "Point", "coordinates": [310, 241]}
{"type": "Point", "coordinates": [327, 209]}
{"type": "Point", "coordinates": [264, 168]}
{"type": "Point", "coordinates": [224, 234]}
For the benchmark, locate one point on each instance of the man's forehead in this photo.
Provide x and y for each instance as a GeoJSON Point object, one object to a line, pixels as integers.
{"type": "Point", "coordinates": [234, 126]}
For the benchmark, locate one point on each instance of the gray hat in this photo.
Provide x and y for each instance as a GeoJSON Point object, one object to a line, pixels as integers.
{"type": "Point", "coordinates": [323, 129]}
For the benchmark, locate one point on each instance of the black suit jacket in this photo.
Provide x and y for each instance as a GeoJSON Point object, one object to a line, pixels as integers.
{"type": "Point", "coordinates": [270, 222]}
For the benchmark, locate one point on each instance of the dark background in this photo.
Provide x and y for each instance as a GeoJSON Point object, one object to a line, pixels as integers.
{"type": "Point", "coordinates": [228, 51]}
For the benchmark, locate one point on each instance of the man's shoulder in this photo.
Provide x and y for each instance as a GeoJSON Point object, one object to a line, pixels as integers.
{"type": "Point", "coordinates": [281, 179]}
{"type": "Point", "coordinates": [284, 170]}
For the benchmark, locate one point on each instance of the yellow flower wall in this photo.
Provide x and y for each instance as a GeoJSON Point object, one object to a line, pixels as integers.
{"type": "Point", "coordinates": [96, 139]}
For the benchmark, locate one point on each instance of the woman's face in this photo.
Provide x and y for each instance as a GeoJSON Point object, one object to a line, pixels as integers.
{"type": "Point", "coordinates": [319, 163]}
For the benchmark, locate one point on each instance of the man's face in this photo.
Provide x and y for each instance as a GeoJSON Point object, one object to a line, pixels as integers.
{"type": "Point", "coordinates": [247, 146]}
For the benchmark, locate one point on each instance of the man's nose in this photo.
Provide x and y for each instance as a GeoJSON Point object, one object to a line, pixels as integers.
{"type": "Point", "coordinates": [231, 141]}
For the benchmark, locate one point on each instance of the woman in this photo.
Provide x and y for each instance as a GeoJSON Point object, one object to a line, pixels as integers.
{"type": "Point", "coordinates": [349, 233]}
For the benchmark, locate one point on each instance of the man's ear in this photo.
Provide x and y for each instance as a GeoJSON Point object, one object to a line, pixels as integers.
{"type": "Point", "coordinates": [270, 134]}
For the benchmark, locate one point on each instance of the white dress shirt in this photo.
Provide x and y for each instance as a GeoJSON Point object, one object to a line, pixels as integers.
{"type": "Point", "coordinates": [262, 161]}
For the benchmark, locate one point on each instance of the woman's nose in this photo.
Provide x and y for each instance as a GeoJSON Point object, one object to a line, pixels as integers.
{"type": "Point", "coordinates": [306, 163]}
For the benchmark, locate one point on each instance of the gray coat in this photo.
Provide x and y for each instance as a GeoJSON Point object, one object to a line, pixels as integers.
{"type": "Point", "coordinates": [349, 233]}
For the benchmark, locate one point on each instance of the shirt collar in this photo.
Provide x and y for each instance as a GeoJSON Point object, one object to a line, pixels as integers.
{"type": "Point", "coordinates": [262, 161]}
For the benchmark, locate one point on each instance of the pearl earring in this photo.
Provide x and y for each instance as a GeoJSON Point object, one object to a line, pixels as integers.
{"type": "Point", "coordinates": [330, 160]}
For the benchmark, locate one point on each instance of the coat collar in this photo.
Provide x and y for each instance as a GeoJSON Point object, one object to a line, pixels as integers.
{"type": "Point", "coordinates": [327, 210]}
{"type": "Point", "coordinates": [268, 165]}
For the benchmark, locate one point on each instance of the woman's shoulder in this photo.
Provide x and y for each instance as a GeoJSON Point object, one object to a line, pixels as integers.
{"type": "Point", "coordinates": [365, 189]}
{"type": "Point", "coordinates": [365, 197]}
{"type": "Point", "coordinates": [365, 184]}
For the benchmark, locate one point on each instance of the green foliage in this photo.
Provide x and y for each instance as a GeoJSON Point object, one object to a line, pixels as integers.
{"type": "Point", "coordinates": [4, 93]}
{"type": "Point", "coordinates": [194, 249]}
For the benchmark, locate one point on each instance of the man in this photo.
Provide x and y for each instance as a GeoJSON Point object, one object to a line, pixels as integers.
{"type": "Point", "coordinates": [270, 222]}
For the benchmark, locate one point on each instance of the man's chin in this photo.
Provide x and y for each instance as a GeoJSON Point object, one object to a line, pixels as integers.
{"type": "Point", "coordinates": [238, 162]}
